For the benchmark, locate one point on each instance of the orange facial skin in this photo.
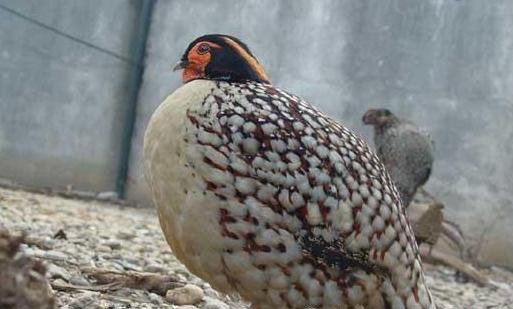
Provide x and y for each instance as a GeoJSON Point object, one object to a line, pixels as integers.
{"type": "Point", "coordinates": [197, 59]}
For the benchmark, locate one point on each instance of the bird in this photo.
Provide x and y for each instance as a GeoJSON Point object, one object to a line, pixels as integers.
{"type": "Point", "coordinates": [429, 226]}
{"type": "Point", "coordinates": [263, 196]}
{"type": "Point", "coordinates": [405, 149]}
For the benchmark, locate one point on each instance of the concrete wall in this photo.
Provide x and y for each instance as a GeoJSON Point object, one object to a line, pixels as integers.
{"type": "Point", "coordinates": [445, 64]}
{"type": "Point", "coordinates": [62, 103]}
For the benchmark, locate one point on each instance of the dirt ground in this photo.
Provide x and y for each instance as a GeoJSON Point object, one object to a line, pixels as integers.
{"type": "Point", "coordinates": [77, 239]}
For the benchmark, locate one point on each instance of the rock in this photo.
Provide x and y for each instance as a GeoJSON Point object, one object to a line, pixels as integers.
{"type": "Point", "coordinates": [83, 194]}
{"type": "Point", "coordinates": [155, 268]}
{"type": "Point", "coordinates": [60, 235]}
{"type": "Point", "coordinates": [103, 249]}
{"type": "Point", "coordinates": [113, 244]}
{"type": "Point", "coordinates": [125, 235]}
{"type": "Point", "coordinates": [155, 298]}
{"type": "Point", "coordinates": [59, 282]}
{"type": "Point", "coordinates": [212, 303]}
{"type": "Point", "coordinates": [209, 291]}
{"type": "Point", "coordinates": [127, 265]}
{"type": "Point", "coordinates": [188, 295]}
{"type": "Point", "coordinates": [107, 196]}
{"type": "Point", "coordinates": [45, 243]}
{"type": "Point", "coordinates": [54, 255]}
{"type": "Point", "coordinates": [47, 255]}
{"type": "Point", "coordinates": [85, 300]}
{"type": "Point", "coordinates": [132, 260]}
{"type": "Point", "coordinates": [89, 225]}
{"type": "Point", "coordinates": [55, 272]}
{"type": "Point", "coordinates": [78, 280]}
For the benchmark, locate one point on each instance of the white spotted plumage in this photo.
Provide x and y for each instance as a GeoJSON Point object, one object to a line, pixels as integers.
{"type": "Point", "coordinates": [260, 193]}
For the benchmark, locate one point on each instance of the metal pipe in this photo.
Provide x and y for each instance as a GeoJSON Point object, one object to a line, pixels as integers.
{"type": "Point", "coordinates": [139, 48]}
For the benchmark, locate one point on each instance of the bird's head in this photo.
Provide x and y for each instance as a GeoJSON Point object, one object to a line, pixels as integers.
{"type": "Point", "coordinates": [220, 57]}
{"type": "Point", "coordinates": [378, 117]}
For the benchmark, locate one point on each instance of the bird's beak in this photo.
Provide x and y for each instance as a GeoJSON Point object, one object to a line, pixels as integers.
{"type": "Point", "coordinates": [180, 65]}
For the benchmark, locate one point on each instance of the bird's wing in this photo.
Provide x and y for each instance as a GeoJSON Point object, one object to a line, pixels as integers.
{"type": "Point", "coordinates": [312, 176]}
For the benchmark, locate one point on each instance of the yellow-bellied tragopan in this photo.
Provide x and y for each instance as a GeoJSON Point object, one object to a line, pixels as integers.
{"type": "Point", "coordinates": [259, 193]}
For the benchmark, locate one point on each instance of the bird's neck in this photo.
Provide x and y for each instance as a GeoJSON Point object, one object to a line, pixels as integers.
{"type": "Point", "coordinates": [385, 125]}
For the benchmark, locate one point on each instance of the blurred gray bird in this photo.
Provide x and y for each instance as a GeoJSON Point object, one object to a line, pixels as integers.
{"type": "Point", "coordinates": [405, 149]}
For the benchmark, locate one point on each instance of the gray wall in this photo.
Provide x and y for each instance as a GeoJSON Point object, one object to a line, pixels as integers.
{"type": "Point", "coordinates": [445, 64]}
{"type": "Point", "coordinates": [62, 103]}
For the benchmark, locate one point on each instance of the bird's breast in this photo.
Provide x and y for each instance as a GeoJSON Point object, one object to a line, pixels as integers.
{"type": "Point", "coordinates": [172, 164]}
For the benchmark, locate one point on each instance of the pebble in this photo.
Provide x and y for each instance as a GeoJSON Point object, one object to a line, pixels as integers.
{"type": "Point", "coordinates": [212, 303]}
{"type": "Point", "coordinates": [210, 292]}
{"type": "Point", "coordinates": [125, 235]}
{"type": "Point", "coordinates": [46, 255]}
{"type": "Point", "coordinates": [55, 272]}
{"type": "Point", "coordinates": [59, 281]}
{"type": "Point", "coordinates": [128, 266]}
{"type": "Point", "coordinates": [188, 295]}
{"type": "Point", "coordinates": [107, 195]}
{"type": "Point", "coordinates": [78, 280]}
{"type": "Point", "coordinates": [113, 244]}
{"type": "Point", "coordinates": [84, 194]}
{"type": "Point", "coordinates": [54, 255]}
{"type": "Point", "coordinates": [85, 300]}
{"type": "Point", "coordinates": [107, 236]}
{"type": "Point", "coordinates": [155, 268]}
{"type": "Point", "coordinates": [155, 298]}
{"type": "Point", "coordinates": [103, 249]}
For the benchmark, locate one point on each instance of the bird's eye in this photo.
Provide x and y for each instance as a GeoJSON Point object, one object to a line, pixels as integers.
{"type": "Point", "coordinates": [203, 48]}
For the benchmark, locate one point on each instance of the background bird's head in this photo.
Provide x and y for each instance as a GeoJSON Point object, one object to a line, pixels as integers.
{"type": "Point", "coordinates": [379, 117]}
{"type": "Point", "coordinates": [220, 57]}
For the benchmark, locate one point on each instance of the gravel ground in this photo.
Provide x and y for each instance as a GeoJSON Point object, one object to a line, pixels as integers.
{"type": "Point", "coordinates": [72, 235]}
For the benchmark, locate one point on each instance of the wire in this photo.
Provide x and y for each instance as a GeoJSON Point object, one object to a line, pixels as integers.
{"type": "Point", "coordinates": [68, 36]}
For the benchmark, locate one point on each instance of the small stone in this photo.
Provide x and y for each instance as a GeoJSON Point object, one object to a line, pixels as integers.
{"type": "Point", "coordinates": [212, 303]}
{"type": "Point", "coordinates": [103, 249]}
{"type": "Point", "coordinates": [86, 300]}
{"type": "Point", "coordinates": [55, 272]}
{"type": "Point", "coordinates": [155, 298]}
{"type": "Point", "coordinates": [187, 295]}
{"type": "Point", "coordinates": [54, 255]}
{"type": "Point", "coordinates": [107, 196]}
{"type": "Point", "coordinates": [135, 261]}
{"type": "Point", "coordinates": [59, 282]}
{"type": "Point", "coordinates": [155, 268]}
{"type": "Point", "coordinates": [46, 243]}
{"type": "Point", "coordinates": [127, 265]}
{"type": "Point", "coordinates": [125, 235]}
{"type": "Point", "coordinates": [113, 244]}
{"type": "Point", "coordinates": [78, 280]}
{"type": "Point", "coordinates": [210, 292]}
{"type": "Point", "coordinates": [60, 235]}
{"type": "Point", "coordinates": [84, 194]}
